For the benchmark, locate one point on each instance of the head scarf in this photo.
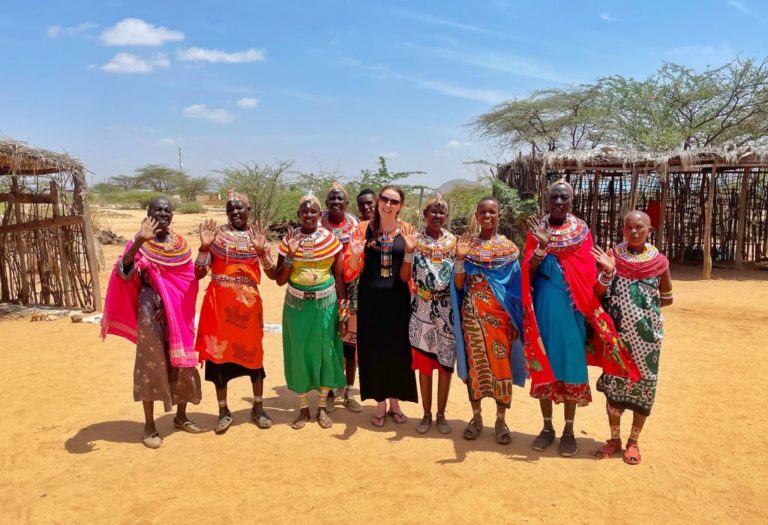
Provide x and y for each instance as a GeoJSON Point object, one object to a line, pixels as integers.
{"type": "Point", "coordinates": [437, 198]}
{"type": "Point", "coordinates": [337, 186]}
{"type": "Point", "coordinates": [232, 195]}
{"type": "Point", "coordinates": [310, 198]}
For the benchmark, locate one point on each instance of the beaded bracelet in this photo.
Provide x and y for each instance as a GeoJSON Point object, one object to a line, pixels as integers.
{"type": "Point", "coordinates": [266, 262]}
{"type": "Point", "coordinates": [458, 267]}
{"type": "Point", "coordinates": [288, 261]}
{"type": "Point", "coordinates": [606, 278]}
{"type": "Point", "coordinates": [540, 253]}
{"type": "Point", "coordinates": [408, 257]}
{"type": "Point", "coordinates": [204, 262]}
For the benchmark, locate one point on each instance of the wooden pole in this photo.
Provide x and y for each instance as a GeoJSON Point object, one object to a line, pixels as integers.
{"type": "Point", "coordinates": [661, 234]}
{"type": "Point", "coordinates": [595, 211]}
{"type": "Point", "coordinates": [419, 214]}
{"type": "Point", "coordinates": [90, 242]}
{"type": "Point", "coordinates": [742, 225]}
{"type": "Point", "coordinates": [20, 248]}
{"type": "Point", "coordinates": [64, 260]}
{"type": "Point", "coordinates": [711, 180]}
{"type": "Point", "coordinates": [633, 189]}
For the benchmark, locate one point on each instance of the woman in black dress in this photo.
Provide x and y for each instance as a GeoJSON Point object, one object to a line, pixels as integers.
{"type": "Point", "coordinates": [376, 253]}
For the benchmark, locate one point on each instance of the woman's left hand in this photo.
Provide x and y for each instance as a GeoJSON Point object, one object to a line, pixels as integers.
{"type": "Point", "coordinates": [605, 259]}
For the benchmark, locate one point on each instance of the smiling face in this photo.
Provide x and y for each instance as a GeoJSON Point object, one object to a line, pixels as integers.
{"type": "Point", "coordinates": [435, 216]}
{"type": "Point", "coordinates": [237, 213]}
{"type": "Point", "coordinates": [487, 214]}
{"type": "Point", "coordinates": [389, 203]}
{"type": "Point", "coordinates": [308, 214]}
{"type": "Point", "coordinates": [336, 203]}
{"type": "Point", "coordinates": [637, 226]}
{"type": "Point", "coordinates": [365, 205]}
{"type": "Point", "coordinates": [161, 210]}
{"type": "Point", "coordinates": [559, 201]}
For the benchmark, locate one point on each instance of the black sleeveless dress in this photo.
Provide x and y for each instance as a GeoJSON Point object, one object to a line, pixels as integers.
{"type": "Point", "coordinates": [384, 309]}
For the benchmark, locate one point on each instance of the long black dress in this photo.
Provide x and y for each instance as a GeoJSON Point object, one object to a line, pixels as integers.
{"type": "Point", "coordinates": [383, 347]}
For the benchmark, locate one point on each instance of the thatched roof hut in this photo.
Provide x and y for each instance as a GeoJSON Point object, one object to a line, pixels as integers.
{"type": "Point", "coordinates": [47, 247]}
{"type": "Point", "coordinates": [706, 204]}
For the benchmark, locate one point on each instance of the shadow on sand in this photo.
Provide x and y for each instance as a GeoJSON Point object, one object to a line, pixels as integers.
{"type": "Point", "coordinates": [282, 409]}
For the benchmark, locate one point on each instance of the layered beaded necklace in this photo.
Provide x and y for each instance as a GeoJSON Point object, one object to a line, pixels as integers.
{"type": "Point", "coordinates": [174, 251]}
{"type": "Point", "coordinates": [566, 237]}
{"type": "Point", "coordinates": [436, 249]}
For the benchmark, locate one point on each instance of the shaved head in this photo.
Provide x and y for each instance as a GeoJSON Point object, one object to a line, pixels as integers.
{"type": "Point", "coordinates": [638, 216]}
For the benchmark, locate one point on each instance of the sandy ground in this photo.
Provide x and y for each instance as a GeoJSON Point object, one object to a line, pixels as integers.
{"type": "Point", "coordinates": [71, 450]}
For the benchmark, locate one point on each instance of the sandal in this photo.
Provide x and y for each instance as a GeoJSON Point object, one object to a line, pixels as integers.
{"type": "Point", "coordinates": [425, 424]}
{"type": "Point", "coordinates": [188, 426]}
{"type": "Point", "coordinates": [545, 438]}
{"type": "Point", "coordinates": [632, 454]}
{"type": "Point", "coordinates": [261, 419]}
{"type": "Point", "coordinates": [300, 421]}
{"type": "Point", "coordinates": [153, 440]}
{"type": "Point", "coordinates": [323, 420]}
{"type": "Point", "coordinates": [568, 446]}
{"type": "Point", "coordinates": [330, 402]}
{"type": "Point", "coordinates": [223, 424]}
{"type": "Point", "coordinates": [611, 447]}
{"type": "Point", "coordinates": [442, 425]}
{"type": "Point", "coordinates": [472, 430]}
{"type": "Point", "coordinates": [397, 417]}
{"type": "Point", "coordinates": [503, 434]}
{"type": "Point", "coordinates": [377, 421]}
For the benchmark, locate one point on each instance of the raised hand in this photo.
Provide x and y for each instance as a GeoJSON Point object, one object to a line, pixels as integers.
{"type": "Point", "coordinates": [605, 259]}
{"type": "Point", "coordinates": [463, 244]}
{"type": "Point", "coordinates": [148, 229]}
{"type": "Point", "coordinates": [357, 244]}
{"type": "Point", "coordinates": [208, 232]}
{"type": "Point", "coordinates": [293, 240]}
{"type": "Point", "coordinates": [411, 241]}
{"type": "Point", "coordinates": [258, 236]}
{"type": "Point", "coordinates": [541, 234]}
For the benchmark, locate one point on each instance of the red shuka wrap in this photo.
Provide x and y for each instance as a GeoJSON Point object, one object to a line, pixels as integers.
{"type": "Point", "coordinates": [605, 349]}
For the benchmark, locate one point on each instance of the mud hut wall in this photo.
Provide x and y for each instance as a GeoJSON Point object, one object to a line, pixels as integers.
{"type": "Point", "coordinates": [684, 214]}
{"type": "Point", "coordinates": [44, 265]}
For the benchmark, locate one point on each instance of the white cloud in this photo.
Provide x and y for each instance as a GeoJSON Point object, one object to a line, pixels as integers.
{"type": "Point", "coordinates": [248, 102]}
{"type": "Point", "coordinates": [487, 96]}
{"type": "Point", "coordinates": [741, 6]}
{"type": "Point", "coordinates": [130, 64]}
{"type": "Point", "coordinates": [197, 54]}
{"type": "Point", "coordinates": [457, 144]}
{"type": "Point", "coordinates": [57, 31]}
{"type": "Point", "coordinates": [220, 116]}
{"type": "Point", "coordinates": [494, 61]}
{"type": "Point", "coordinates": [137, 32]}
{"type": "Point", "coordinates": [420, 17]}
{"type": "Point", "coordinates": [607, 17]}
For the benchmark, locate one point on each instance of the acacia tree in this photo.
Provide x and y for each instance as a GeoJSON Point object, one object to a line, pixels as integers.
{"type": "Point", "coordinates": [160, 178]}
{"type": "Point", "coordinates": [264, 185]}
{"type": "Point", "coordinates": [547, 120]}
{"type": "Point", "coordinates": [675, 107]}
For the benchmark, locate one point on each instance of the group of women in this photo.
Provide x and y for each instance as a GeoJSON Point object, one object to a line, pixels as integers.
{"type": "Point", "coordinates": [377, 293]}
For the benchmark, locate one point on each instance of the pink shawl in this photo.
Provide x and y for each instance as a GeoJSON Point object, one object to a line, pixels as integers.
{"type": "Point", "coordinates": [177, 287]}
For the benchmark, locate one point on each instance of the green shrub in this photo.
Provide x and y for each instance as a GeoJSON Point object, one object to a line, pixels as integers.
{"type": "Point", "coordinates": [189, 207]}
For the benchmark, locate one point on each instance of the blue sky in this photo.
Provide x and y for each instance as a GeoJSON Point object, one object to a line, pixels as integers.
{"type": "Point", "coordinates": [331, 85]}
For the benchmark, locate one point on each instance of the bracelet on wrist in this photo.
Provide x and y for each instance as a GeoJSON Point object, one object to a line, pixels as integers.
{"type": "Point", "coordinates": [458, 267]}
{"type": "Point", "coordinates": [408, 257]}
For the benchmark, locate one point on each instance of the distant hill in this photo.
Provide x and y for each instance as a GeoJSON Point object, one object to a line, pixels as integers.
{"type": "Point", "coordinates": [449, 186]}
